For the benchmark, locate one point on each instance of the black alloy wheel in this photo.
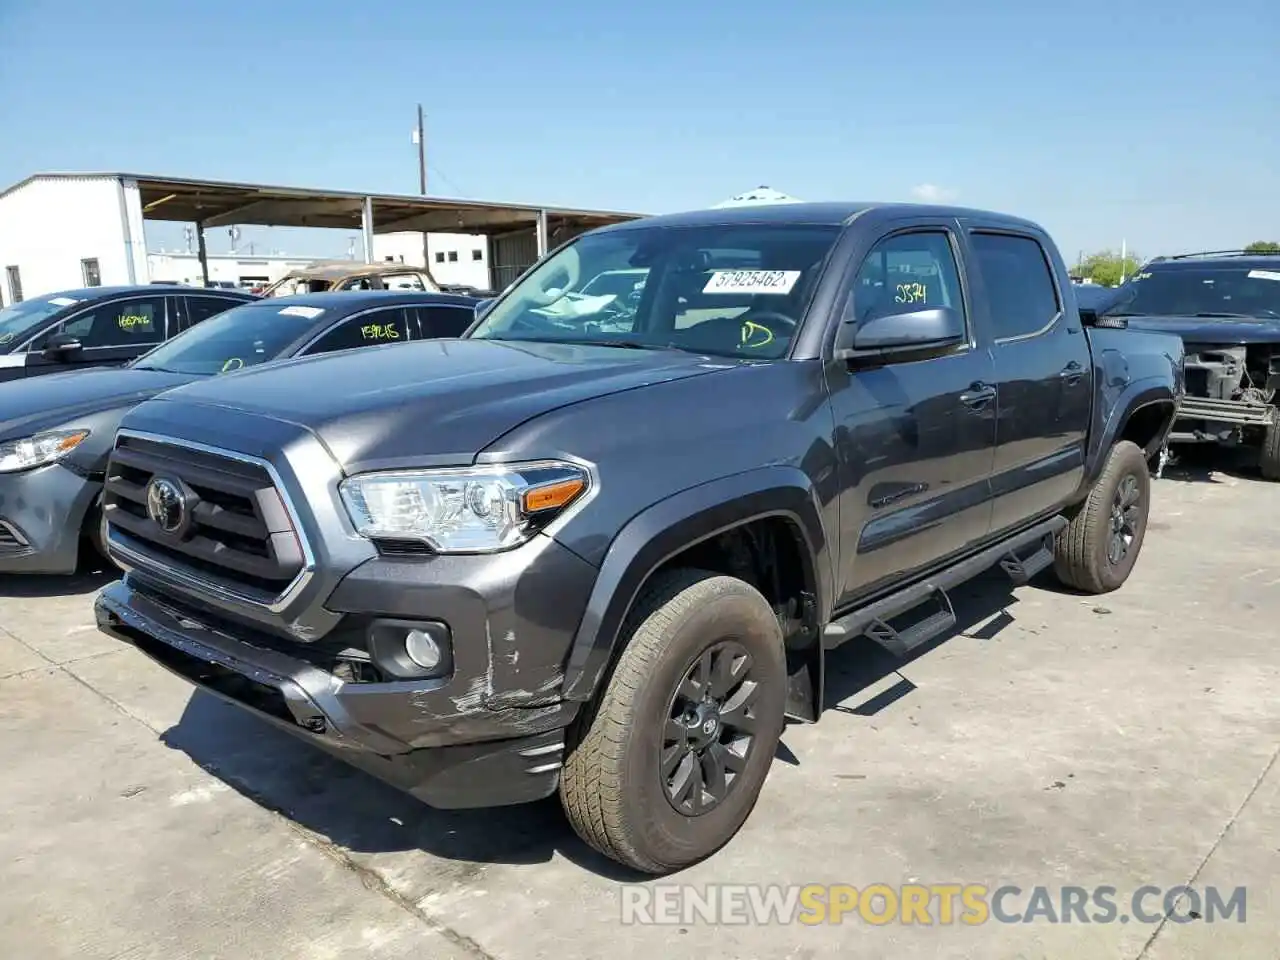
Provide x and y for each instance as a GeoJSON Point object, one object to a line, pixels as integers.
{"type": "Point", "coordinates": [710, 729]}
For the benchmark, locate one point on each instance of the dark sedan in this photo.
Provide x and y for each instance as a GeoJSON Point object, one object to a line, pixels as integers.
{"type": "Point", "coordinates": [99, 326]}
{"type": "Point", "coordinates": [56, 431]}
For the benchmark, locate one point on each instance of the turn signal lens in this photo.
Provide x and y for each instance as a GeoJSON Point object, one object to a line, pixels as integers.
{"type": "Point", "coordinates": [552, 496]}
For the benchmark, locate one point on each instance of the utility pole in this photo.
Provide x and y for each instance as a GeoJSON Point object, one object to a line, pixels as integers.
{"type": "Point", "coordinates": [420, 139]}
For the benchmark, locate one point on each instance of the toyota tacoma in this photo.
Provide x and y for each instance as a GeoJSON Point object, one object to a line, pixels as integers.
{"type": "Point", "coordinates": [600, 545]}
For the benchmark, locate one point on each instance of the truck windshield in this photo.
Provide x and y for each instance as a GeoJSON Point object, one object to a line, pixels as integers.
{"type": "Point", "coordinates": [1217, 290]}
{"type": "Point", "coordinates": [735, 290]}
{"type": "Point", "coordinates": [241, 337]}
{"type": "Point", "coordinates": [19, 321]}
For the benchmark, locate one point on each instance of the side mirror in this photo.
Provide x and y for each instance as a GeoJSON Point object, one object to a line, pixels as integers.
{"type": "Point", "coordinates": [483, 307]}
{"type": "Point", "coordinates": [62, 346]}
{"type": "Point", "coordinates": [929, 329]}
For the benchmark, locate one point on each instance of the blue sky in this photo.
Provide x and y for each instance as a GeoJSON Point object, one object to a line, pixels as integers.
{"type": "Point", "coordinates": [1156, 123]}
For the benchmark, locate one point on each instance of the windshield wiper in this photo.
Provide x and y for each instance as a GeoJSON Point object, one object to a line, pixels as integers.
{"type": "Point", "coordinates": [589, 342]}
{"type": "Point", "coordinates": [148, 366]}
{"type": "Point", "coordinates": [1212, 313]}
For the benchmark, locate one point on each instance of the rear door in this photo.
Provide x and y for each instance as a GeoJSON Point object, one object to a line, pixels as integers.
{"type": "Point", "coordinates": [108, 335]}
{"type": "Point", "coordinates": [441, 321]}
{"type": "Point", "coordinates": [914, 435]}
{"type": "Point", "coordinates": [1044, 376]}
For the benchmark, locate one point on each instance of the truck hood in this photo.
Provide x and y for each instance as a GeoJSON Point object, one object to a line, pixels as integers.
{"type": "Point", "coordinates": [1221, 330]}
{"type": "Point", "coordinates": [434, 402]}
{"type": "Point", "coordinates": [39, 403]}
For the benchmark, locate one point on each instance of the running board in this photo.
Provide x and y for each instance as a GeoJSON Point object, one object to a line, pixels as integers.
{"type": "Point", "coordinates": [1023, 570]}
{"type": "Point", "coordinates": [873, 620]}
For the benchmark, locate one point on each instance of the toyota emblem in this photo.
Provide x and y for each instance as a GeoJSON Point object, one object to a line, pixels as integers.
{"type": "Point", "coordinates": [166, 504]}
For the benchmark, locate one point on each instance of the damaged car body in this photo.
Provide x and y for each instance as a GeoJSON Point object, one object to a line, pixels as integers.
{"type": "Point", "coordinates": [1226, 308]}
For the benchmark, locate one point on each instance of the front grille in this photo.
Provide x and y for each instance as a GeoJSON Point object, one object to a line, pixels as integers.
{"type": "Point", "coordinates": [233, 531]}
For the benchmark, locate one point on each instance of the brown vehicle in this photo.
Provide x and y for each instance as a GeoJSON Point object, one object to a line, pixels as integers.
{"type": "Point", "coordinates": [329, 275]}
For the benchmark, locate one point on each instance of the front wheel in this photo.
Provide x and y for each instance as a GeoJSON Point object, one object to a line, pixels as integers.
{"type": "Point", "coordinates": [668, 763]}
{"type": "Point", "coordinates": [1096, 551]}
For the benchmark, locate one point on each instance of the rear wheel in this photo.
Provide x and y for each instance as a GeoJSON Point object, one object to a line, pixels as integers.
{"type": "Point", "coordinates": [668, 763]}
{"type": "Point", "coordinates": [1098, 548]}
{"type": "Point", "coordinates": [1269, 460]}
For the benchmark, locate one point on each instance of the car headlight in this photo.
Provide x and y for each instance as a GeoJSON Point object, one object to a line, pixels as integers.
{"type": "Point", "coordinates": [38, 450]}
{"type": "Point", "coordinates": [480, 509]}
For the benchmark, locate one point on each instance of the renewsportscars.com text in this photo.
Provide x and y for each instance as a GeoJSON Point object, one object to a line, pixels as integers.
{"type": "Point", "coordinates": [926, 904]}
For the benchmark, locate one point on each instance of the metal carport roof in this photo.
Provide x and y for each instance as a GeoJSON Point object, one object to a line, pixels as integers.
{"type": "Point", "coordinates": [221, 203]}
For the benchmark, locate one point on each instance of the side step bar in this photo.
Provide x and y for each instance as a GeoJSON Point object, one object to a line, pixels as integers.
{"type": "Point", "coordinates": [1021, 557]}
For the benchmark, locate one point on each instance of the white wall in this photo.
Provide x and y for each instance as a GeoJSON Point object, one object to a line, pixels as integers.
{"type": "Point", "coordinates": [185, 267]}
{"type": "Point", "coordinates": [47, 226]}
{"type": "Point", "coordinates": [452, 256]}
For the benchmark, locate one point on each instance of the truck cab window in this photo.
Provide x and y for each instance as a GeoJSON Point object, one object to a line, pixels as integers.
{"type": "Point", "coordinates": [907, 272]}
{"type": "Point", "coordinates": [1018, 284]}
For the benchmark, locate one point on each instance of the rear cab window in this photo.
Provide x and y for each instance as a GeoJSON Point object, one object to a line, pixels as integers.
{"type": "Point", "coordinates": [1019, 284]}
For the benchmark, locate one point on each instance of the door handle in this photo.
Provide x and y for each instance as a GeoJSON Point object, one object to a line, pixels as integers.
{"type": "Point", "coordinates": [1072, 373]}
{"type": "Point", "coordinates": [978, 395]}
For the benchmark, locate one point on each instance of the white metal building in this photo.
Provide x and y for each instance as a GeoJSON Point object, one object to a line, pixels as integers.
{"type": "Point", "coordinates": [61, 231]}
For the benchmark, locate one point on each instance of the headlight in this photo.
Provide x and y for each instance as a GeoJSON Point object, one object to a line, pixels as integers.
{"type": "Point", "coordinates": [38, 450]}
{"type": "Point", "coordinates": [464, 509]}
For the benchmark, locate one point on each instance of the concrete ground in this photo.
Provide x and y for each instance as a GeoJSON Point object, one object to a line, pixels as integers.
{"type": "Point", "coordinates": [1057, 741]}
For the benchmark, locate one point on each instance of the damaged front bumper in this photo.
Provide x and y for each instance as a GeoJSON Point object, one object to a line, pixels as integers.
{"type": "Point", "coordinates": [42, 516]}
{"type": "Point", "coordinates": [476, 755]}
{"type": "Point", "coordinates": [1205, 419]}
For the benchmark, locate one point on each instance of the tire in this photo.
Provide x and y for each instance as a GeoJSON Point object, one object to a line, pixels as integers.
{"type": "Point", "coordinates": [1269, 460]}
{"type": "Point", "coordinates": [95, 533]}
{"type": "Point", "coordinates": [1083, 551]}
{"type": "Point", "coordinates": [613, 786]}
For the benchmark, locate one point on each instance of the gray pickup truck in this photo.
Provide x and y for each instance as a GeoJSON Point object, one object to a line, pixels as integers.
{"type": "Point", "coordinates": [601, 544]}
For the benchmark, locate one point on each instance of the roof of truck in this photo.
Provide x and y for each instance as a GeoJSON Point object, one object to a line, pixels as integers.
{"type": "Point", "coordinates": [817, 213]}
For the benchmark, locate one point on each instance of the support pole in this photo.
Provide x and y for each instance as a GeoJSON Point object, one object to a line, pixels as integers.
{"type": "Point", "coordinates": [202, 252]}
{"type": "Point", "coordinates": [422, 155]}
{"type": "Point", "coordinates": [542, 234]}
{"type": "Point", "coordinates": [366, 228]}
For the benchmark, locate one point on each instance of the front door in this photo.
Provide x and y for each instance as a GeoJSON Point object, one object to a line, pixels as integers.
{"type": "Point", "coordinates": [1044, 377]}
{"type": "Point", "coordinates": [915, 439]}
{"type": "Point", "coordinates": [105, 335]}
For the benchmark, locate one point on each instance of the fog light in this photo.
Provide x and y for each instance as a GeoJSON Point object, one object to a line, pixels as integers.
{"type": "Point", "coordinates": [422, 649]}
{"type": "Point", "coordinates": [411, 649]}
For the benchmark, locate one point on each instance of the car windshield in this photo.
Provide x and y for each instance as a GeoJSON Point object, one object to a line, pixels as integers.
{"type": "Point", "coordinates": [241, 337]}
{"type": "Point", "coordinates": [1185, 291]}
{"type": "Point", "coordinates": [19, 321]}
{"type": "Point", "coordinates": [734, 290]}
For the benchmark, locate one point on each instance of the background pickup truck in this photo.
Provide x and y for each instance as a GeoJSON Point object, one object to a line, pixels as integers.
{"type": "Point", "coordinates": [1225, 305]}
{"type": "Point", "coordinates": [601, 544]}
